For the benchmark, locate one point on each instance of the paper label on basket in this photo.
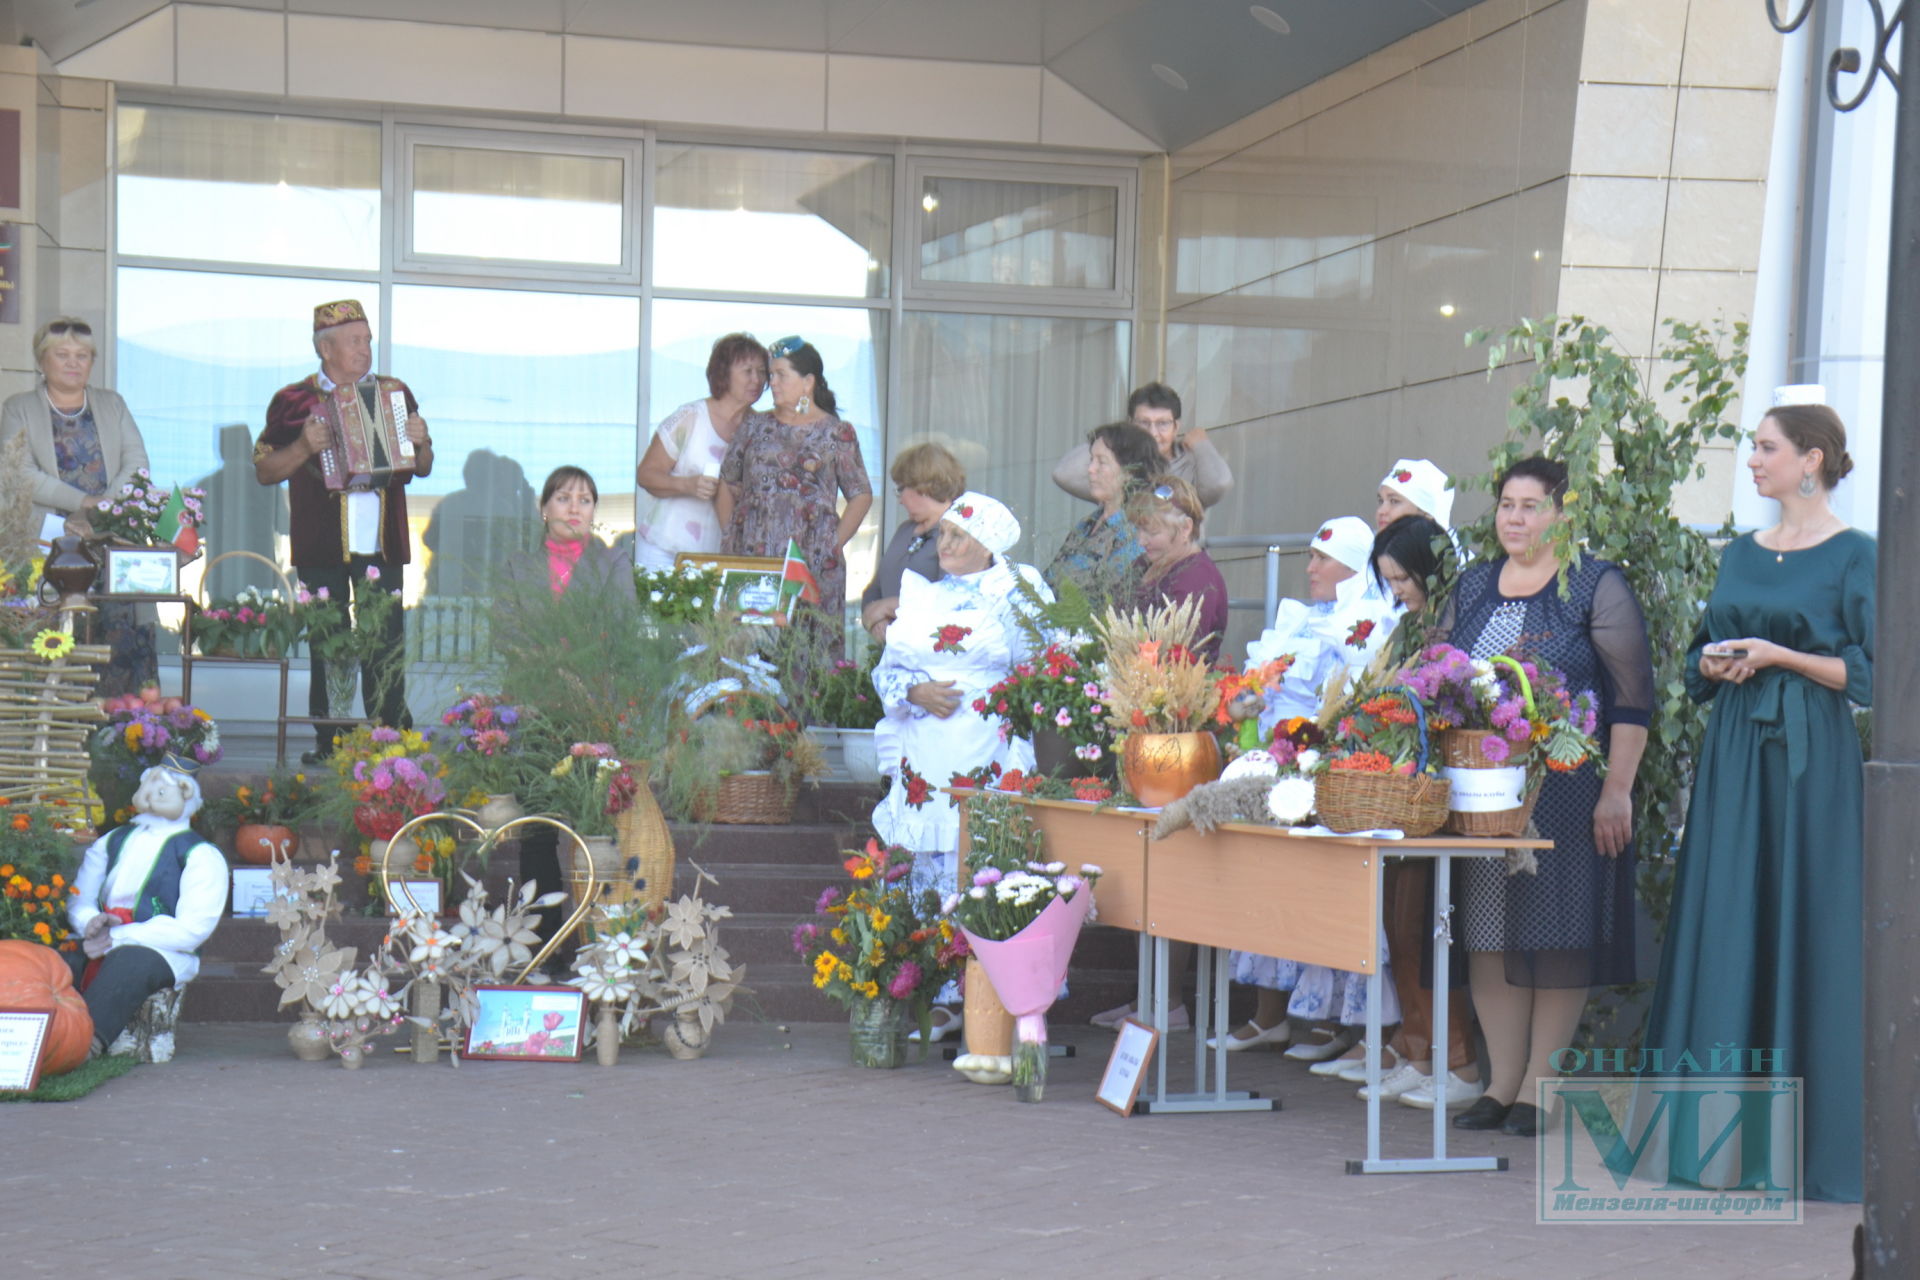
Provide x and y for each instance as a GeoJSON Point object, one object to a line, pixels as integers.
{"type": "Point", "coordinates": [1485, 790]}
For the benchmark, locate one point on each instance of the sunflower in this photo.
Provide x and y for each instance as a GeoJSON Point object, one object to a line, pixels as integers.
{"type": "Point", "coordinates": [51, 646]}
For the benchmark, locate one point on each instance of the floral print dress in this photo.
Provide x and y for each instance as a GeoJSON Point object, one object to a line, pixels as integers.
{"type": "Point", "coordinates": [961, 629]}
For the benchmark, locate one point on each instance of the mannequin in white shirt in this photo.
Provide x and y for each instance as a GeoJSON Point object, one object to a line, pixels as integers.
{"type": "Point", "coordinates": [145, 913]}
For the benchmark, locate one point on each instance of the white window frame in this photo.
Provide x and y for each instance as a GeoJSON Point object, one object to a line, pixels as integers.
{"type": "Point", "coordinates": [410, 136]}
{"type": "Point", "coordinates": [1126, 184]}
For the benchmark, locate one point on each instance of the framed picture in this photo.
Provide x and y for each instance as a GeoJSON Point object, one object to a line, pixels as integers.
{"type": "Point", "coordinates": [527, 1024]}
{"type": "Point", "coordinates": [252, 891]}
{"type": "Point", "coordinates": [23, 1043]}
{"type": "Point", "coordinates": [1127, 1066]}
{"type": "Point", "coordinates": [415, 896]}
{"type": "Point", "coordinates": [750, 586]}
{"type": "Point", "coordinates": [143, 571]}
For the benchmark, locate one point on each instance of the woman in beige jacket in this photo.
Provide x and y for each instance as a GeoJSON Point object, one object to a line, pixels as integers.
{"type": "Point", "coordinates": [82, 447]}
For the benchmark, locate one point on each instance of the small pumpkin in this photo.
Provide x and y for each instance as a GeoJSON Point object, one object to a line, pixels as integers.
{"type": "Point", "coordinates": [36, 978]}
{"type": "Point", "coordinates": [256, 843]}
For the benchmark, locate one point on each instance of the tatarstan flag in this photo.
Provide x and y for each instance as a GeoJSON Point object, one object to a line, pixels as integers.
{"type": "Point", "coordinates": [795, 576]}
{"type": "Point", "coordinates": [172, 525]}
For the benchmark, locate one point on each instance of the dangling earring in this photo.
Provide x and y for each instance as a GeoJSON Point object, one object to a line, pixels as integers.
{"type": "Point", "coordinates": [803, 405]}
{"type": "Point", "coordinates": [1807, 487]}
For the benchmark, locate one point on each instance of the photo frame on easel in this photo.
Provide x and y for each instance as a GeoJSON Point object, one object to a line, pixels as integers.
{"type": "Point", "coordinates": [1127, 1066]}
{"type": "Point", "coordinates": [527, 1024]}
{"type": "Point", "coordinates": [23, 1048]}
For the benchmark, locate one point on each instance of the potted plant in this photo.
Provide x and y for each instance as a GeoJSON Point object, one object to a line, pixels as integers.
{"type": "Point", "coordinates": [344, 644]}
{"type": "Point", "coordinates": [253, 624]}
{"type": "Point", "coordinates": [1160, 695]}
{"type": "Point", "coordinates": [38, 859]}
{"type": "Point", "coordinates": [843, 710]}
{"type": "Point", "coordinates": [141, 729]}
{"type": "Point", "coordinates": [881, 951]}
{"type": "Point", "coordinates": [266, 819]}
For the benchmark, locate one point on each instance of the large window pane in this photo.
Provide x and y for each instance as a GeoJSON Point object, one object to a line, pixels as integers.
{"type": "Point", "coordinates": [229, 187]}
{"type": "Point", "coordinates": [199, 355]}
{"type": "Point", "coordinates": [518, 206]}
{"type": "Point", "coordinates": [852, 342]}
{"type": "Point", "coordinates": [1008, 395]}
{"type": "Point", "coordinates": [514, 384]}
{"type": "Point", "coordinates": [980, 231]}
{"type": "Point", "coordinates": [743, 220]}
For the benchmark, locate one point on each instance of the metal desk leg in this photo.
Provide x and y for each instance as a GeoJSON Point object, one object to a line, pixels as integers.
{"type": "Point", "coordinates": [1211, 993]}
{"type": "Point", "coordinates": [1439, 1161]}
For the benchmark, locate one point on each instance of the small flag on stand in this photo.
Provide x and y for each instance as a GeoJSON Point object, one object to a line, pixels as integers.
{"type": "Point", "coordinates": [795, 576]}
{"type": "Point", "coordinates": [172, 526]}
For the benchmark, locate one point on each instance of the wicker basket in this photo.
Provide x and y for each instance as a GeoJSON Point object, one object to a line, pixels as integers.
{"type": "Point", "coordinates": [749, 798]}
{"type": "Point", "coordinates": [647, 869]}
{"type": "Point", "coordinates": [1460, 749]}
{"type": "Point", "coordinates": [1416, 803]}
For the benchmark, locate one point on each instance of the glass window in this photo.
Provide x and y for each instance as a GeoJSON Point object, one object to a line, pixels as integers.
{"type": "Point", "coordinates": [514, 384]}
{"type": "Point", "coordinates": [744, 220]}
{"type": "Point", "coordinates": [518, 206]}
{"type": "Point", "coordinates": [978, 231]}
{"type": "Point", "coordinates": [852, 342]}
{"type": "Point", "coordinates": [229, 187]}
{"type": "Point", "coordinates": [198, 356]}
{"type": "Point", "coordinates": [1008, 395]}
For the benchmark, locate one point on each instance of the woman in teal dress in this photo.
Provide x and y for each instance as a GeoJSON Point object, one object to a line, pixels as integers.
{"type": "Point", "coordinates": [1764, 951]}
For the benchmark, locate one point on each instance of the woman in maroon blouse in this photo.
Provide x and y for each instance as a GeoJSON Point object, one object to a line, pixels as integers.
{"type": "Point", "coordinates": [1173, 567]}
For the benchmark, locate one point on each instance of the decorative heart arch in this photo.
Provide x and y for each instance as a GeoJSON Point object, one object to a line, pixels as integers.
{"type": "Point", "coordinates": [488, 838]}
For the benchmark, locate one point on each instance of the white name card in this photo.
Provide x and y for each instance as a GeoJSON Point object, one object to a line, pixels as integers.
{"type": "Point", "coordinates": [23, 1040]}
{"type": "Point", "coordinates": [1485, 790]}
{"type": "Point", "coordinates": [1127, 1066]}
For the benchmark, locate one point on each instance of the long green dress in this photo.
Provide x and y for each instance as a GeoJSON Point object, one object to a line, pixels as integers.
{"type": "Point", "coordinates": [1764, 946]}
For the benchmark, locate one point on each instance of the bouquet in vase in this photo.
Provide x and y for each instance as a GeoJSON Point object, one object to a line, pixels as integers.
{"type": "Point", "coordinates": [483, 748]}
{"type": "Point", "coordinates": [141, 730]}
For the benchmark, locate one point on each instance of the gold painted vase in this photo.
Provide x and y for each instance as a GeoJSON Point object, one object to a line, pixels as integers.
{"type": "Point", "coordinates": [1162, 767]}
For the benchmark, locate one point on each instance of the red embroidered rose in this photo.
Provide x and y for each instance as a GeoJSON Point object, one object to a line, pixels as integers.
{"type": "Point", "coordinates": [919, 790]}
{"type": "Point", "coordinates": [947, 639]}
{"type": "Point", "coordinates": [966, 512]}
{"type": "Point", "coordinates": [1361, 630]}
{"type": "Point", "coordinates": [1326, 535]}
{"type": "Point", "coordinates": [1404, 477]}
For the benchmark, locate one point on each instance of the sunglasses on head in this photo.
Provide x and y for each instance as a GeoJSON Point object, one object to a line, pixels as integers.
{"type": "Point", "coordinates": [1163, 491]}
{"type": "Point", "coordinates": [59, 328]}
{"type": "Point", "coordinates": [786, 347]}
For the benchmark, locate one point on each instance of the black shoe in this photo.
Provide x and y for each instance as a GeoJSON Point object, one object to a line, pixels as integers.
{"type": "Point", "coordinates": [1523, 1120]}
{"type": "Point", "coordinates": [1483, 1114]}
{"type": "Point", "coordinates": [314, 757]}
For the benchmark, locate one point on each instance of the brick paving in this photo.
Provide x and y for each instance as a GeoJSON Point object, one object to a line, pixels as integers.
{"type": "Point", "coordinates": [773, 1157]}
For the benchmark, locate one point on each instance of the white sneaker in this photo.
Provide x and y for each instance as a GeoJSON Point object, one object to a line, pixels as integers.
{"type": "Point", "coordinates": [1459, 1093]}
{"type": "Point", "coordinates": [1397, 1082]}
{"type": "Point", "coordinates": [1355, 1072]}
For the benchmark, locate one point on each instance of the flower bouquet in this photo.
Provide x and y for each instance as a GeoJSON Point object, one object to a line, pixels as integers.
{"type": "Point", "coordinates": [253, 624]}
{"type": "Point", "coordinates": [1501, 723]}
{"type": "Point", "coordinates": [587, 787]}
{"type": "Point", "coordinates": [485, 752]}
{"type": "Point", "coordinates": [346, 644]}
{"type": "Point", "coordinates": [141, 729]}
{"type": "Point", "coordinates": [1379, 772]}
{"type": "Point", "coordinates": [1055, 696]}
{"type": "Point", "coordinates": [1022, 921]}
{"type": "Point", "coordinates": [144, 514]}
{"type": "Point", "coordinates": [388, 777]}
{"type": "Point", "coordinates": [880, 950]}
{"type": "Point", "coordinates": [38, 858]}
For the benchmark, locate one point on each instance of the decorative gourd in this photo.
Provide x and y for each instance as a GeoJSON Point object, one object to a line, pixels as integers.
{"type": "Point", "coordinates": [36, 978]}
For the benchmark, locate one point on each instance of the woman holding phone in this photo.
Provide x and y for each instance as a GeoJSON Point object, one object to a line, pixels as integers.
{"type": "Point", "coordinates": [1764, 952]}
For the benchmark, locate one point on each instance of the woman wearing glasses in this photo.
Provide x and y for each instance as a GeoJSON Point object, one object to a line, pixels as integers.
{"type": "Point", "coordinates": [1173, 567]}
{"type": "Point", "coordinates": [783, 478]}
{"type": "Point", "coordinates": [82, 447]}
{"type": "Point", "coordinates": [927, 479]}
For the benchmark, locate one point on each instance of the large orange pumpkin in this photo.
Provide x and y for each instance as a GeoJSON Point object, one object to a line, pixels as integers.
{"type": "Point", "coordinates": [36, 978]}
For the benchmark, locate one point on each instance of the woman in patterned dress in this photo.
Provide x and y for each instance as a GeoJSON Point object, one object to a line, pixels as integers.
{"type": "Point", "coordinates": [681, 467]}
{"type": "Point", "coordinates": [783, 478]}
{"type": "Point", "coordinates": [1537, 942]}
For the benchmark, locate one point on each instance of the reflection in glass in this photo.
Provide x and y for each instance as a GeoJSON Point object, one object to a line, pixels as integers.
{"type": "Point", "coordinates": [1041, 234]}
{"type": "Point", "coordinates": [852, 342]}
{"type": "Point", "coordinates": [518, 206]}
{"type": "Point", "coordinates": [1008, 395]}
{"type": "Point", "coordinates": [749, 220]}
{"type": "Point", "coordinates": [229, 187]}
{"type": "Point", "coordinates": [514, 383]}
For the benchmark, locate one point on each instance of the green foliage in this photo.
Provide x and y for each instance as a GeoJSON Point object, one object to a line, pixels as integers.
{"type": "Point", "coordinates": [1625, 458]}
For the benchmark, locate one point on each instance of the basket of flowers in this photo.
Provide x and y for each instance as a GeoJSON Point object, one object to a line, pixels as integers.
{"type": "Point", "coordinates": [1499, 724]}
{"type": "Point", "coordinates": [1379, 771]}
{"type": "Point", "coordinates": [141, 729]}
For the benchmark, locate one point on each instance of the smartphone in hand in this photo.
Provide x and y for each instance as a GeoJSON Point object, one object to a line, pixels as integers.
{"type": "Point", "coordinates": [1724, 651]}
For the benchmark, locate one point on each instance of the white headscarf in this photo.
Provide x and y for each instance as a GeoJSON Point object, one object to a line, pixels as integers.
{"type": "Point", "coordinates": [1425, 486]}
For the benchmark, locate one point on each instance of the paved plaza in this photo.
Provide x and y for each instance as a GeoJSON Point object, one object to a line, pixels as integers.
{"type": "Point", "coordinates": [773, 1157]}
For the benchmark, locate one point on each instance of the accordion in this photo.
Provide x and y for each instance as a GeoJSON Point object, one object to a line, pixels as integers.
{"type": "Point", "coordinates": [368, 422]}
